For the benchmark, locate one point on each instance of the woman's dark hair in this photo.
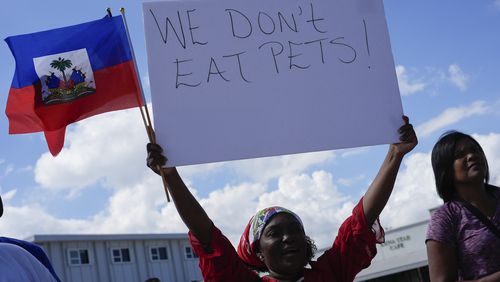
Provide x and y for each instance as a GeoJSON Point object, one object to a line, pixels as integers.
{"type": "Point", "coordinates": [311, 248]}
{"type": "Point", "coordinates": [443, 156]}
{"type": "Point", "coordinates": [310, 251]}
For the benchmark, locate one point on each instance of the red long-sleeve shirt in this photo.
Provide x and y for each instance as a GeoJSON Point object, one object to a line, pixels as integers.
{"type": "Point", "coordinates": [352, 251]}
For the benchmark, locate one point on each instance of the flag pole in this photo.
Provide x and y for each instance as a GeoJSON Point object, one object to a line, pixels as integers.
{"type": "Point", "coordinates": [144, 112]}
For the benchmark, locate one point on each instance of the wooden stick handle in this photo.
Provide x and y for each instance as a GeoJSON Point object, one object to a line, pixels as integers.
{"type": "Point", "coordinates": [144, 112]}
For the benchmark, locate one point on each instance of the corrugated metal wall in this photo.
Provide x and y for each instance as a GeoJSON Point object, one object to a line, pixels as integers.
{"type": "Point", "coordinates": [102, 267]}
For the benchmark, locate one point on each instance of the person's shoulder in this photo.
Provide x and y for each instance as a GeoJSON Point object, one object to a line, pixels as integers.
{"type": "Point", "coordinates": [21, 243]}
{"type": "Point", "coordinates": [444, 208]}
{"type": "Point", "coordinates": [444, 223]}
{"type": "Point", "coordinates": [17, 263]}
{"type": "Point", "coordinates": [446, 211]}
{"type": "Point", "coordinates": [9, 240]}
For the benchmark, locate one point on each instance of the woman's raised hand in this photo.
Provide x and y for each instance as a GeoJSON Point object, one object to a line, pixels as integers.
{"type": "Point", "coordinates": [407, 137]}
{"type": "Point", "coordinates": [155, 159]}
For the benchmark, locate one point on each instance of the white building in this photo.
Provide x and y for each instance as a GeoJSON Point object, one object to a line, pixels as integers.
{"type": "Point", "coordinates": [402, 258]}
{"type": "Point", "coordinates": [124, 257]}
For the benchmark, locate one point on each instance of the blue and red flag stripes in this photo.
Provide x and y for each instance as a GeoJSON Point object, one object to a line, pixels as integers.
{"type": "Point", "coordinates": [67, 74]}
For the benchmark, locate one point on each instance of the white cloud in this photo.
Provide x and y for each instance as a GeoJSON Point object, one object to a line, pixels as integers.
{"type": "Point", "coordinates": [491, 146]}
{"type": "Point", "coordinates": [457, 77]}
{"type": "Point", "coordinates": [25, 169]}
{"type": "Point", "coordinates": [451, 116]}
{"type": "Point", "coordinates": [9, 195]}
{"type": "Point", "coordinates": [8, 170]}
{"type": "Point", "coordinates": [414, 193]}
{"type": "Point", "coordinates": [108, 148]}
{"type": "Point", "coordinates": [351, 181]}
{"type": "Point", "coordinates": [24, 221]}
{"type": "Point", "coordinates": [431, 79]}
{"type": "Point", "coordinates": [406, 86]}
{"type": "Point", "coordinates": [344, 153]}
{"type": "Point", "coordinates": [315, 199]}
{"type": "Point", "coordinates": [261, 169]}
{"type": "Point", "coordinates": [265, 169]}
{"type": "Point", "coordinates": [231, 207]}
{"type": "Point", "coordinates": [139, 208]}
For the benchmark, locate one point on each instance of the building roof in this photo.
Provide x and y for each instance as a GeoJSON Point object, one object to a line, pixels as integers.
{"type": "Point", "coordinates": [105, 237]}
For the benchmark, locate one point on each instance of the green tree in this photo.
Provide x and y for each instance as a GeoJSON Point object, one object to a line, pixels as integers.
{"type": "Point", "coordinates": [62, 64]}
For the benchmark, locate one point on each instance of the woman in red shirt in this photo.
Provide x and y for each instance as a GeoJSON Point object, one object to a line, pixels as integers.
{"type": "Point", "coordinates": [274, 240]}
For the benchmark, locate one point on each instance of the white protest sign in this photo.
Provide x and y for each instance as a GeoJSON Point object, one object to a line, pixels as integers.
{"type": "Point", "coordinates": [236, 79]}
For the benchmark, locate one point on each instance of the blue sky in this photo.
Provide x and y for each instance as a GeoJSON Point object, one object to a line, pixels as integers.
{"type": "Point", "coordinates": [447, 57]}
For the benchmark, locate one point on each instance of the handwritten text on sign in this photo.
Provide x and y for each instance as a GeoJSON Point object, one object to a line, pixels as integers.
{"type": "Point", "coordinates": [240, 79]}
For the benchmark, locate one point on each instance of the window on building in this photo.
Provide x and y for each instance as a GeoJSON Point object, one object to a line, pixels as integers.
{"type": "Point", "coordinates": [159, 253]}
{"type": "Point", "coordinates": [78, 256]}
{"type": "Point", "coordinates": [120, 255]}
{"type": "Point", "coordinates": [190, 253]}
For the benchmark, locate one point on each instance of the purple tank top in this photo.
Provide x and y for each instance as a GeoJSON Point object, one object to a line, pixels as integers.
{"type": "Point", "coordinates": [477, 247]}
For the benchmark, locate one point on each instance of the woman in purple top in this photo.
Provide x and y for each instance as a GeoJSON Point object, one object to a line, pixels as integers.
{"type": "Point", "coordinates": [459, 245]}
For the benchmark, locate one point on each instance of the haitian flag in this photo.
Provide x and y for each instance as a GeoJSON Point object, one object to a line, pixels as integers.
{"type": "Point", "coordinates": [67, 74]}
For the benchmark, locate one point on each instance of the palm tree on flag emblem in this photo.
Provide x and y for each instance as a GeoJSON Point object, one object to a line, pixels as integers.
{"type": "Point", "coordinates": [62, 64]}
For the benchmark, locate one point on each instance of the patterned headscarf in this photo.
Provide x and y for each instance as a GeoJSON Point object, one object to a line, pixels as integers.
{"type": "Point", "coordinates": [253, 232]}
